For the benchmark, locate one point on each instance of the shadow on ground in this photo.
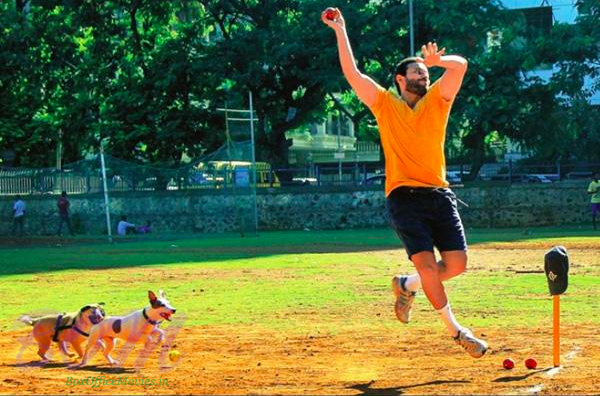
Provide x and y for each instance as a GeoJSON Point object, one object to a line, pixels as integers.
{"type": "Point", "coordinates": [366, 389]}
{"type": "Point", "coordinates": [27, 255]}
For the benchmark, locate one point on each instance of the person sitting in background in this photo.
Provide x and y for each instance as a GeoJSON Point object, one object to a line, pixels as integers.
{"type": "Point", "coordinates": [145, 229]}
{"type": "Point", "coordinates": [124, 228]}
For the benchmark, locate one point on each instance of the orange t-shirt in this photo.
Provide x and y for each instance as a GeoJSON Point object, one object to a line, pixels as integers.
{"type": "Point", "coordinates": [413, 139]}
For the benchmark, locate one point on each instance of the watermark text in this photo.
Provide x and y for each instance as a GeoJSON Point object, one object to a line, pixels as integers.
{"type": "Point", "coordinates": [98, 381]}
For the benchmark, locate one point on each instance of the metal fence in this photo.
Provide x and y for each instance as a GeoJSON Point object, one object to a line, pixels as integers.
{"type": "Point", "coordinates": [86, 177]}
{"type": "Point", "coordinates": [521, 172]}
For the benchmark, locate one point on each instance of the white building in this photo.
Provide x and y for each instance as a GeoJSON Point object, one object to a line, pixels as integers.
{"type": "Point", "coordinates": [547, 12]}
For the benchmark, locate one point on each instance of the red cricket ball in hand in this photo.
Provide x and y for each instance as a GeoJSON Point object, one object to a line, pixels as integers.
{"type": "Point", "coordinates": [331, 13]}
{"type": "Point", "coordinates": [531, 363]}
{"type": "Point", "coordinates": [508, 364]}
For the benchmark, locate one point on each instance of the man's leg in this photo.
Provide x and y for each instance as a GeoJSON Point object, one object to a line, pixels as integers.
{"type": "Point", "coordinates": [453, 263]}
{"type": "Point", "coordinates": [68, 220]}
{"type": "Point", "coordinates": [60, 224]}
{"type": "Point", "coordinates": [448, 236]}
{"type": "Point", "coordinates": [432, 274]}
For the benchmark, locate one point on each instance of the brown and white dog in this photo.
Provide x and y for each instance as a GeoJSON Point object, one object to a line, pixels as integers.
{"type": "Point", "coordinates": [66, 328]}
{"type": "Point", "coordinates": [141, 325]}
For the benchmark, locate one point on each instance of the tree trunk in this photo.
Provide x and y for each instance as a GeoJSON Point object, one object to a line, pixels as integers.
{"type": "Point", "coordinates": [279, 157]}
{"type": "Point", "coordinates": [477, 155]}
{"type": "Point", "coordinates": [137, 42]}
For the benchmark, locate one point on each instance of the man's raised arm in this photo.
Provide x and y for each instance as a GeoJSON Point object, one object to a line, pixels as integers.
{"type": "Point", "coordinates": [363, 85]}
{"type": "Point", "coordinates": [456, 67]}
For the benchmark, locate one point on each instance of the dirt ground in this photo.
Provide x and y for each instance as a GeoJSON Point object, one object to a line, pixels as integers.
{"type": "Point", "coordinates": [250, 360]}
{"type": "Point", "coordinates": [388, 359]}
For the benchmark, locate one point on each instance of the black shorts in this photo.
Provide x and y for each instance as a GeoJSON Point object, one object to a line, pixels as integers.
{"type": "Point", "coordinates": [426, 217]}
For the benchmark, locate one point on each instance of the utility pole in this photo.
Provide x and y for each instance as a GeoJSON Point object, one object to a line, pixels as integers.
{"type": "Point", "coordinates": [411, 28]}
{"type": "Point", "coordinates": [106, 202]}
{"type": "Point", "coordinates": [339, 153]}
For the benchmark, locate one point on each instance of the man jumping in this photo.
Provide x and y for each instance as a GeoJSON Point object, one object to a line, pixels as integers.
{"type": "Point", "coordinates": [422, 208]}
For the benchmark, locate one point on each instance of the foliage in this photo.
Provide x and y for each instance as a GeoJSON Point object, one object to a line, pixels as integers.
{"type": "Point", "coordinates": [147, 76]}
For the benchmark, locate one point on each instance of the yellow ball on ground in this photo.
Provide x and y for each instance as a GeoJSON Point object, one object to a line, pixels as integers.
{"type": "Point", "coordinates": [174, 355]}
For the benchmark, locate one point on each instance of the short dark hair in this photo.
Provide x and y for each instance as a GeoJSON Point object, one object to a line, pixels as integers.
{"type": "Point", "coordinates": [401, 69]}
{"type": "Point", "coordinates": [64, 194]}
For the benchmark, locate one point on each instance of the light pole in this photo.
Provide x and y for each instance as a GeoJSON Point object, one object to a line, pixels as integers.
{"type": "Point", "coordinates": [340, 153]}
{"type": "Point", "coordinates": [105, 187]}
{"type": "Point", "coordinates": [252, 119]}
{"type": "Point", "coordinates": [411, 29]}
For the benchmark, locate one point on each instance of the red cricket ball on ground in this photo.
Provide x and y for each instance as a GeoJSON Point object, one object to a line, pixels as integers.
{"type": "Point", "coordinates": [331, 13]}
{"type": "Point", "coordinates": [531, 363]}
{"type": "Point", "coordinates": [508, 364]}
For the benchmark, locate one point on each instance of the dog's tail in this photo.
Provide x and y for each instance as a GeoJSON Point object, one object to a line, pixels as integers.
{"type": "Point", "coordinates": [28, 320]}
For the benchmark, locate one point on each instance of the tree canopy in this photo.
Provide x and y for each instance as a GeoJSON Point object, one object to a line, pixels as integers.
{"type": "Point", "coordinates": [146, 76]}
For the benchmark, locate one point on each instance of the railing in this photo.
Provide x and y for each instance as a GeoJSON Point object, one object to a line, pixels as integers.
{"type": "Point", "coordinates": [52, 181]}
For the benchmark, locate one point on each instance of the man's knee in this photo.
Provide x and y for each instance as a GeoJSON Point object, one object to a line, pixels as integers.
{"type": "Point", "coordinates": [461, 266]}
{"type": "Point", "coordinates": [425, 263]}
{"type": "Point", "coordinates": [455, 262]}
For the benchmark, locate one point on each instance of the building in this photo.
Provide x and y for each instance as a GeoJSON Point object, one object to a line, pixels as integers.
{"type": "Point", "coordinates": [330, 142]}
{"type": "Point", "coordinates": [543, 14]}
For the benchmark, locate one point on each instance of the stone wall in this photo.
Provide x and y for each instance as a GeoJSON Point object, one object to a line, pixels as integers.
{"type": "Point", "coordinates": [304, 208]}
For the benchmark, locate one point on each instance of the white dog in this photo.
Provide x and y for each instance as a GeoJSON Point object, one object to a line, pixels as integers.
{"type": "Point", "coordinates": [138, 326]}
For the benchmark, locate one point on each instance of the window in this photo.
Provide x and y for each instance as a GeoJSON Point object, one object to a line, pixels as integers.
{"type": "Point", "coordinates": [539, 20]}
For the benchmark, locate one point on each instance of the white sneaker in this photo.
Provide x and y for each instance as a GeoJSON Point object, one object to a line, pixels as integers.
{"type": "Point", "coordinates": [404, 299]}
{"type": "Point", "coordinates": [474, 346]}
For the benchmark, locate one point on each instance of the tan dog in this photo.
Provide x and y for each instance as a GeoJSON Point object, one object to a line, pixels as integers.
{"type": "Point", "coordinates": [141, 325]}
{"type": "Point", "coordinates": [72, 328]}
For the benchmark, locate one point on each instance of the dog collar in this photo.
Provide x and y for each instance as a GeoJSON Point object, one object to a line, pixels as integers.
{"type": "Point", "coordinates": [147, 318]}
{"type": "Point", "coordinates": [83, 333]}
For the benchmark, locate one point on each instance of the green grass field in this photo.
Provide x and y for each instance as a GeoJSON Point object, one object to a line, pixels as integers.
{"type": "Point", "coordinates": [280, 279]}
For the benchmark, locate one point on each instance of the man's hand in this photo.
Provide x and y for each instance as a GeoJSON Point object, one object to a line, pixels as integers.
{"type": "Point", "coordinates": [455, 65]}
{"type": "Point", "coordinates": [335, 23]}
{"type": "Point", "coordinates": [431, 55]}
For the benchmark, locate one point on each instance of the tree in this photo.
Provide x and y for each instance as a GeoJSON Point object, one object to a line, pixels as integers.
{"type": "Point", "coordinates": [282, 52]}
{"type": "Point", "coordinates": [147, 76]}
{"type": "Point", "coordinates": [82, 71]}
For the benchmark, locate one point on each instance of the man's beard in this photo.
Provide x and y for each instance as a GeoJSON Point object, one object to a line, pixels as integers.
{"type": "Point", "coordinates": [415, 87]}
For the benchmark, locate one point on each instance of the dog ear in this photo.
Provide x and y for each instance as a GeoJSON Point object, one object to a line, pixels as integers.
{"type": "Point", "coordinates": [85, 308]}
{"type": "Point", "coordinates": [151, 296]}
{"type": "Point", "coordinates": [162, 294]}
